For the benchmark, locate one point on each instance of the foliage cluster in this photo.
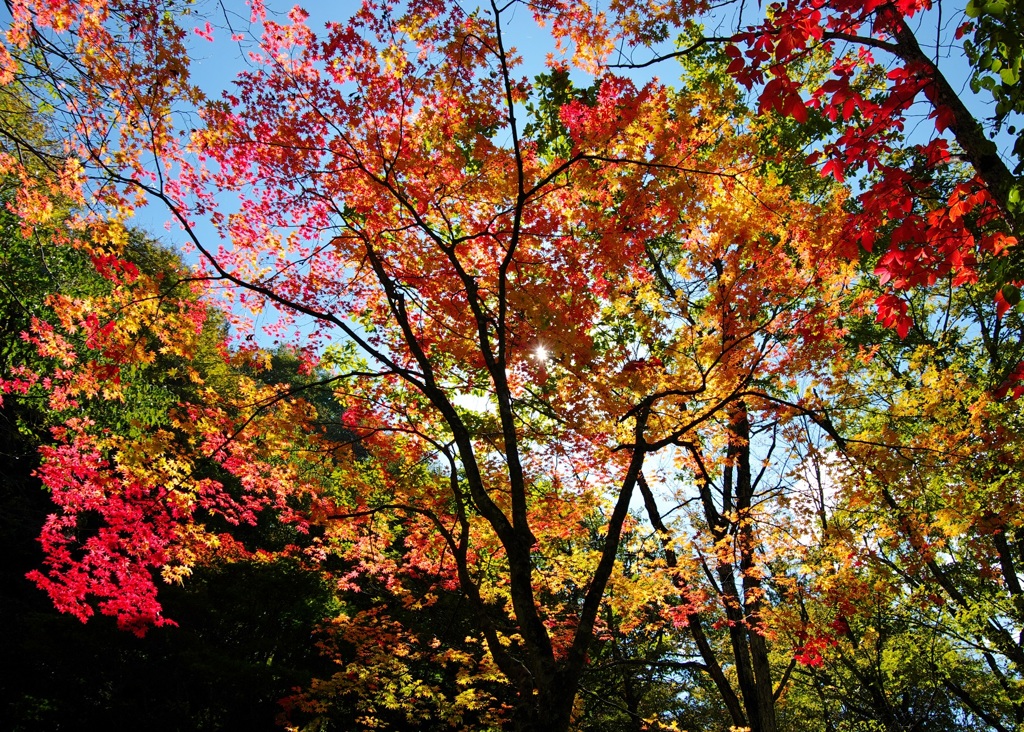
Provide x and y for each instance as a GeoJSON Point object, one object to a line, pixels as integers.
{"type": "Point", "coordinates": [596, 402]}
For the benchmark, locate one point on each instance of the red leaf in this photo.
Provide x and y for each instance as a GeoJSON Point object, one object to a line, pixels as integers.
{"type": "Point", "coordinates": [834, 168]}
{"type": "Point", "coordinates": [1002, 306]}
{"type": "Point", "coordinates": [944, 117]}
{"type": "Point", "coordinates": [796, 108]}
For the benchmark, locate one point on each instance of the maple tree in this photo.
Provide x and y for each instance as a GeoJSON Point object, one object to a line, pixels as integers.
{"type": "Point", "coordinates": [933, 222]}
{"type": "Point", "coordinates": [96, 313]}
{"type": "Point", "coordinates": [252, 650]}
{"type": "Point", "coordinates": [539, 278]}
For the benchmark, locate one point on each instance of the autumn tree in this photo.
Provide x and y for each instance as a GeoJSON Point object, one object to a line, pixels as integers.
{"type": "Point", "coordinates": [729, 528]}
{"type": "Point", "coordinates": [111, 354]}
{"type": "Point", "coordinates": [252, 650]}
{"type": "Point", "coordinates": [542, 275]}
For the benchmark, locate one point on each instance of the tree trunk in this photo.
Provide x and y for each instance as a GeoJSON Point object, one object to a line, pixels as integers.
{"type": "Point", "coordinates": [547, 710]}
{"type": "Point", "coordinates": [749, 645]}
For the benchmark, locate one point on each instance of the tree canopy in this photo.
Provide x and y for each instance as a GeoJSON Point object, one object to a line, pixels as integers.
{"type": "Point", "coordinates": [566, 396]}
